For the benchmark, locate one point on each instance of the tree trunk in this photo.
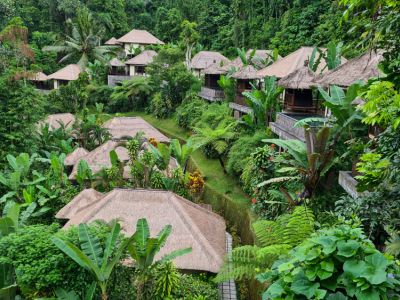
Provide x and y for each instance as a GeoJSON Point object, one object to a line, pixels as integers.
{"type": "Point", "coordinates": [222, 164]}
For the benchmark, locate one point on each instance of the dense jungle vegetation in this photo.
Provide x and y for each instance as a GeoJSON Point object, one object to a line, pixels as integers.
{"type": "Point", "coordinates": [296, 233]}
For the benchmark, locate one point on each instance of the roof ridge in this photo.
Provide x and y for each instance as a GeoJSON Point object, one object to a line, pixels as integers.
{"type": "Point", "coordinates": [202, 240]}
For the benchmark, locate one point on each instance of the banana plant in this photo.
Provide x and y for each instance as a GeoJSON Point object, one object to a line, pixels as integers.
{"type": "Point", "coordinates": [340, 103]}
{"type": "Point", "coordinates": [19, 176]}
{"type": "Point", "coordinates": [182, 153]}
{"type": "Point", "coordinates": [143, 249]}
{"type": "Point", "coordinates": [92, 257]}
{"type": "Point", "coordinates": [263, 103]}
{"type": "Point", "coordinates": [311, 160]}
{"type": "Point", "coordinates": [84, 173]}
{"type": "Point", "coordinates": [9, 223]}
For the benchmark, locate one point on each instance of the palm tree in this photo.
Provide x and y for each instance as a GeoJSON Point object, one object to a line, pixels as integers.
{"type": "Point", "coordinates": [143, 250]}
{"type": "Point", "coordinates": [218, 138]}
{"type": "Point", "coordinates": [182, 153]}
{"type": "Point", "coordinates": [263, 102]}
{"type": "Point", "coordinates": [136, 90]}
{"type": "Point", "coordinates": [92, 257]}
{"type": "Point", "coordinates": [83, 41]}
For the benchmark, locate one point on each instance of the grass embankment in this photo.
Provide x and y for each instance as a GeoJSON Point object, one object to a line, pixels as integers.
{"type": "Point", "coordinates": [222, 191]}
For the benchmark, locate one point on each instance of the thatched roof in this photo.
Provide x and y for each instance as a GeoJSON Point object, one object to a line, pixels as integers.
{"type": "Point", "coordinates": [142, 59]}
{"type": "Point", "coordinates": [99, 158]}
{"type": "Point", "coordinates": [204, 59]}
{"type": "Point", "coordinates": [123, 127]}
{"type": "Point", "coordinates": [359, 68]}
{"type": "Point", "coordinates": [192, 225]}
{"type": "Point", "coordinates": [246, 72]}
{"type": "Point", "coordinates": [137, 36]}
{"type": "Point", "coordinates": [112, 42]}
{"type": "Point", "coordinates": [39, 76]}
{"type": "Point", "coordinates": [223, 67]}
{"type": "Point", "coordinates": [260, 58]}
{"type": "Point", "coordinates": [115, 62]}
{"type": "Point", "coordinates": [81, 201]}
{"type": "Point", "coordinates": [290, 63]}
{"type": "Point", "coordinates": [74, 157]}
{"type": "Point", "coordinates": [70, 72]}
{"type": "Point", "coordinates": [55, 120]}
{"type": "Point", "coordinates": [302, 78]}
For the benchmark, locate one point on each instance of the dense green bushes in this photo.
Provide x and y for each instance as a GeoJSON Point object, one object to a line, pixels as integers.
{"type": "Point", "coordinates": [335, 263]}
{"type": "Point", "coordinates": [191, 110]}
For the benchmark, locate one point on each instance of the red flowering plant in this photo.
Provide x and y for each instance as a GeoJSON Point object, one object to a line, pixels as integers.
{"type": "Point", "coordinates": [196, 184]}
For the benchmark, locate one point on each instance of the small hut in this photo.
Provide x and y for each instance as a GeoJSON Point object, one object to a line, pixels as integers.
{"type": "Point", "coordinates": [290, 63]}
{"type": "Point", "coordinates": [360, 68]}
{"type": "Point", "coordinates": [138, 39]}
{"type": "Point", "coordinates": [298, 91]}
{"type": "Point", "coordinates": [122, 128]}
{"type": "Point", "coordinates": [205, 59]}
{"type": "Point", "coordinates": [211, 90]}
{"type": "Point", "coordinates": [245, 77]}
{"type": "Point", "coordinates": [65, 75]}
{"type": "Point", "coordinates": [137, 65]}
{"type": "Point", "coordinates": [193, 226]}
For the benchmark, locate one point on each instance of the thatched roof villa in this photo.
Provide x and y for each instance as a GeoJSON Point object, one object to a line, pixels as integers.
{"type": "Point", "coordinates": [122, 128]}
{"type": "Point", "coordinates": [99, 158]}
{"type": "Point", "coordinates": [137, 65]}
{"type": "Point", "coordinates": [290, 63]}
{"type": "Point", "coordinates": [138, 39]}
{"type": "Point", "coordinates": [192, 225]}
{"type": "Point", "coordinates": [360, 68]}
{"type": "Point", "coordinates": [205, 59]}
{"type": "Point", "coordinates": [64, 75]}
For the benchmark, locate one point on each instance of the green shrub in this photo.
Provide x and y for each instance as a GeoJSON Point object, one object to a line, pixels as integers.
{"type": "Point", "coordinates": [214, 114]}
{"type": "Point", "coordinates": [190, 111]}
{"type": "Point", "coordinates": [334, 263]}
{"type": "Point", "coordinates": [40, 266]}
{"type": "Point", "coordinates": [242, 149]}
{"type": "Point", "coordinates": [191, 286]}
{"type": "Point", "coordinates": [99, 94]}
{"type": "Point", "coordinates": [159, 107]}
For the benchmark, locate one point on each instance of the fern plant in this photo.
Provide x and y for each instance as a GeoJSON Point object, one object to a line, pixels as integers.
{"type": "Point", "coordinates": [274, 238]}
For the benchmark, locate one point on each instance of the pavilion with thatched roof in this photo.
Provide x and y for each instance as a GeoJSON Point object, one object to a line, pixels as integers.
{"type": "Point", "coordinates": [205, 59]}
{"type": "Point", "coordinates": [290, 63]}
{"type": "Point", "coordinates": [298, 95]}
{"type": "Point", "coordinates": [360, 68]}
{"type": "Point", "coordinates": [192, 225]}
{"type": "Point", "coordinates": [137, 65]}
{"type": "Point", "coordinates": [55, 121]}
{"type": "Point", "coordinates": [65, 75]}
{"type": "Point", "coordinates": [122, 128]}
{"type": "Point", "coordinates": [39, 80]}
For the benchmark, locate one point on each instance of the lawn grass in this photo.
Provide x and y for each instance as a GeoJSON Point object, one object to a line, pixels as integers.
{"type": "Point", "coordinates": [210, 168]}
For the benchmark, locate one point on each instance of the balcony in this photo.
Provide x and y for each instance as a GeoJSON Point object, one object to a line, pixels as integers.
{"type": "Point", "coordinates": [240, 104]}
{"type": "Point", "coordinates": [211, 94]}
{"type": "Point", "coordinates": [284, 125]}
{"type": "Point", "coordinates": [113, 80]}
